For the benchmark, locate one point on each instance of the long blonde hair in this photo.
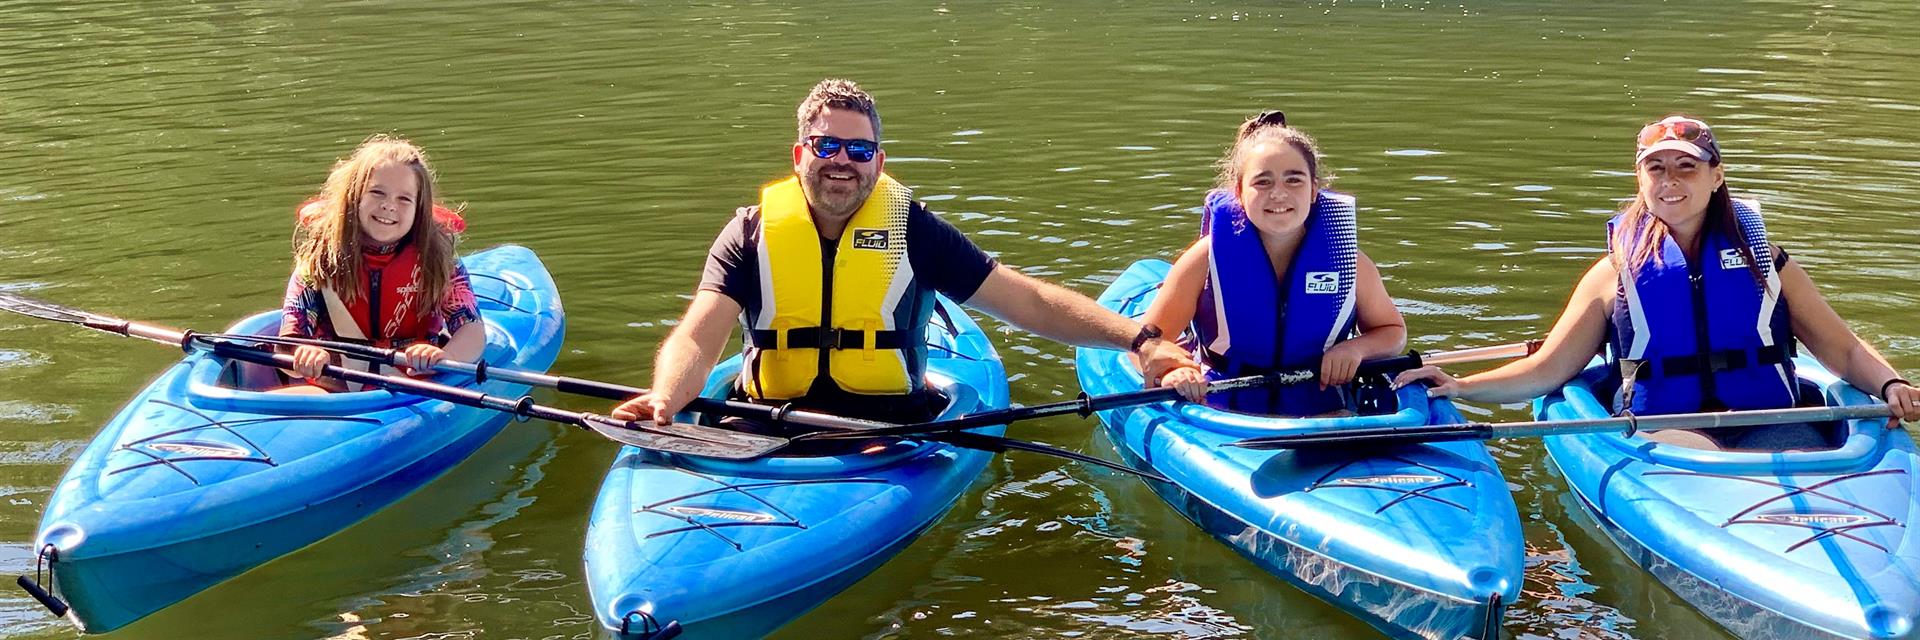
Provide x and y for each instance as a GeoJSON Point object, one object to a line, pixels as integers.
{"type": "Point", "coordinates": [326, 246]}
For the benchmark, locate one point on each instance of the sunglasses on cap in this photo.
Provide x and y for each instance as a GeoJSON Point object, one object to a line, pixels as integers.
{"type": "Point", "coordinates": [858, 150]}
{"type": "Point", "coordinates": [1685, 129]}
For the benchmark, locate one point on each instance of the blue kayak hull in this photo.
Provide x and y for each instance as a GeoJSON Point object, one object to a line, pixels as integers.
{"type": "Point", "coordinates": [1419, 541]}
{"type": "Point", "coordinates": [195, 482]}
{"type": "Point", "coordinates": [737, 549]}
{"type": "Point", "coordinates": [1768, 545]}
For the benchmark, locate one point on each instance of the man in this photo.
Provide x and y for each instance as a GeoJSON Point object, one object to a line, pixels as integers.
{"type": "Point", "coordinates": [840, 240]}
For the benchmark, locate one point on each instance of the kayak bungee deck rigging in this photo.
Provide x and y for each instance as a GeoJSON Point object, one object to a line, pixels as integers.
{"type": "Point", "coordinates": [1419, 541]}
{"type": "Point", "coordinates": [734, 549]}
{"type": "Point", "coordinates": [1816, 544]}
{"type": "Point", "coordinates": [204, 475]}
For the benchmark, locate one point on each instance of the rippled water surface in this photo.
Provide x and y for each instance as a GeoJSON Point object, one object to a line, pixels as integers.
{"type": "Point", "coordinates": [151, 154]}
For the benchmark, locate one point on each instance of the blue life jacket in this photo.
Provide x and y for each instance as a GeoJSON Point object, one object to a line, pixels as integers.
{"type": "Point", "coordinates": [1247, 323]}
{"type": "Point", "coordinates": [1737, 356]}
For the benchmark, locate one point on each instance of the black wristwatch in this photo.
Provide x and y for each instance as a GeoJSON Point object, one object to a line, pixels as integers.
{"type": "Point", "coordinates": [1147, 332]}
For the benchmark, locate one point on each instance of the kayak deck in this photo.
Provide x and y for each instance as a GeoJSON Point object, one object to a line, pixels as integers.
{"type": "Point", "coordinates": [734, 549]}
{"type": "Point", "coordinates": [1419, 541]}
{"type": "Point", "coordinates": [195, 481]}
{"type": "Point", "coordinates": [1816, 544]}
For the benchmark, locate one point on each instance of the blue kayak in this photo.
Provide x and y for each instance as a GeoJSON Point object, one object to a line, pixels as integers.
{"type": "Point", "coordinates": [734, 549]}
{"type": "Point", "coordinates": [197, 480]}
{"type": "Point", "coordinates": [1419, 541]}
{"type": "Point", "coordinates": [1819, 544]}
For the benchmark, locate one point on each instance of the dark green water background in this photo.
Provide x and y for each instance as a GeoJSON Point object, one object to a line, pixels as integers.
{"type": "Point", "coordinates": [151, 154]}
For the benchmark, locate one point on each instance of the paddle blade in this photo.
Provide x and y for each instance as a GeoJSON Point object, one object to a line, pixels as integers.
{"type": "Point", "coordinates": [686, 439]}
{"type": "Point", "coordinates": [43, 310]}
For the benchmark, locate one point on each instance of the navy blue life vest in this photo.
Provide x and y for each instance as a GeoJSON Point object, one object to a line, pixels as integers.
{"type": "Point", "coordinates": [1661, 318]}
{"type": "Point", "coordinates": [1248, 323]}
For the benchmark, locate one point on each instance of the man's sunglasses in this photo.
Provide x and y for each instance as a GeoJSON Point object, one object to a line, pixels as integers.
{"type": "Point", "coordinates": [858, 150]}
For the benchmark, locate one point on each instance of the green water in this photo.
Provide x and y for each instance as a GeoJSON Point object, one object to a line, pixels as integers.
{"type": "Point", "coordinates": [151, 154]}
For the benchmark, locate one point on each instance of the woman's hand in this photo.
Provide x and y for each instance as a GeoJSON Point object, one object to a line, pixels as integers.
{"type": "Point", "coordinates": [1441, 385]}
{"type": "Point", "coordinates": [309, 360]}
{"type": "Point", "coordinates": [1339, 364]}
{"type": "Point", "coordinates": [1904, 400]}
{"type": "Point", "coordinates": [1191, 384]}
{"type": "Point", "coordinates": [421, 358]}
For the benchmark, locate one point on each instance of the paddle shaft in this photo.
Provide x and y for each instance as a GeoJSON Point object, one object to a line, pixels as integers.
{"type": "Point", "coordinates": [1478, 354]}
{"type": "Point", "coordinates": [1086, 405]}
{"type": "Point", "coordinates": [1381, 436]}
{"type": "Point", "coordinates": [689, 439]}
{"type": "Point", "coordinates": [594, 388]}
{"type": "Point", "coordinates": [855, 428]}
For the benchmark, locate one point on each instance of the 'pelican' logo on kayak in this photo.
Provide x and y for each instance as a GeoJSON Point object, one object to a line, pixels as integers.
{"type": "Point", "coordinates": [722, 514]}
{"type": "Point", "coordinates": [1389, 480]}
{"type": "Point", "coordinates": [1817, 518]}
{"type": "Point", "coordinates": [200, 449]}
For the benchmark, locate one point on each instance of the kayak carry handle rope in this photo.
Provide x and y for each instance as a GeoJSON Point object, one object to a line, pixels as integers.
{"type": "Point", "coordinates": [1390, 436]}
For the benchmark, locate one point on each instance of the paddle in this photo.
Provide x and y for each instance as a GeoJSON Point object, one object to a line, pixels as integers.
{"type": "Point", "coordinates": [853, 428]}
{"type": "Point", "coordinates": [1086, 405]}
{"type": "Point", "coordinates": [1390, 436]}
{"type": "Point", "coordinates": [677, 438]}
{"type": "Point", "coordinates": [1478, 354]}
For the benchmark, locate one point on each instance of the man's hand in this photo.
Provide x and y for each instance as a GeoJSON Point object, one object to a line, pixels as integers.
{"type": "Point", "coordinates": [651, 405]}
{"type": "Point", "coordinates": [1159, 357]}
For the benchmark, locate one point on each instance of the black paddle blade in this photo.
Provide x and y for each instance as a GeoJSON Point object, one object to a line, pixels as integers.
{"type": "Point", "coordinates": [687, 439]}
{"type": "Point", "coordinates": [30, 307]}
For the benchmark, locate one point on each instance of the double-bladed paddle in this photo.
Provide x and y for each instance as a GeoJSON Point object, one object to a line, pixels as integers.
{"type": "Point", "coordinates": [677, 438]}
{"type": "Point", "coordinates": [843, 426]}
{"type": "Point", "coordinates": [1393, 436]}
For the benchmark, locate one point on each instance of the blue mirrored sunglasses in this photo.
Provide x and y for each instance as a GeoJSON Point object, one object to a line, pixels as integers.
{"type": "Point", "coordinates": [858, 150]}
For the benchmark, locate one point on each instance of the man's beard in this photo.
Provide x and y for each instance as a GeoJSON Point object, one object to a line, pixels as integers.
{"type": "Point", "coordinates": [828, 197]}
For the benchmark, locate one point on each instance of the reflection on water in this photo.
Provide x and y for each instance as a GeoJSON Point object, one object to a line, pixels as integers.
{"type": "Point", "coordinates": [151, 155]}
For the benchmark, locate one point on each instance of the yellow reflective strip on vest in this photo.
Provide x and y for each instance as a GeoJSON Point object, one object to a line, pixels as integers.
{"type": "Point", "coordinates": [865, 293]}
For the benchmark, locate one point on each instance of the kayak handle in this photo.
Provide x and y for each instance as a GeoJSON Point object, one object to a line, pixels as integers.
{"type": "Point", "coordinates": [53, 603]}
{"type": "Point", "coordinates": [650, 628]}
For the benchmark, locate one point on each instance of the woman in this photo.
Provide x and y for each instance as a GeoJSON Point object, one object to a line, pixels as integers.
{"type": "Point", "coordinates": [1681, 247]}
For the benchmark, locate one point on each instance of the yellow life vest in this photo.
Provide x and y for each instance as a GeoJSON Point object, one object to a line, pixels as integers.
{"type": "Point", "coordinates": [851, 308]}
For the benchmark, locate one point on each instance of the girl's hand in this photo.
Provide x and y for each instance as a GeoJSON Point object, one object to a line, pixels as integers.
{"type": "Point", "coordinates": [1339, 364]}
{"type": "Point", "coordinates": [1191, 384]}
{"type": "Point", "coordinates": [421, 357]}
{"type": "Point", "coordinates": [1442, 385]}
{"type": "Point", "coordinates": [1904, 400]}
{"type": "Point", "coordinates": [309, 360]}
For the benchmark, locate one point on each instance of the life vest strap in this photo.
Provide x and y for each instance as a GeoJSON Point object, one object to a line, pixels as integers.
{"type": "Point", "coordinates": [833, 338]}
{"type": "Point", "coordinates": [1723, 360]}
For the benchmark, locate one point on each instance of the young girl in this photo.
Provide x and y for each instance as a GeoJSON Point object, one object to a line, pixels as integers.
{"type": "Point", "coordinates": [373, 262]}
{"type": "Point", "coordinates": [1277, 281]}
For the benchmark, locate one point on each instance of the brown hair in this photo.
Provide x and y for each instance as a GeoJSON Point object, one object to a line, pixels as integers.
{"type": "Point", "coordinates": [1636, 239]}
{"type": "Point", "coordinates": [834, 93]}
{"type": "Point", "coordinates": [1259, 130]}
{"type": "Point", "coordinates": [326, 248]}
